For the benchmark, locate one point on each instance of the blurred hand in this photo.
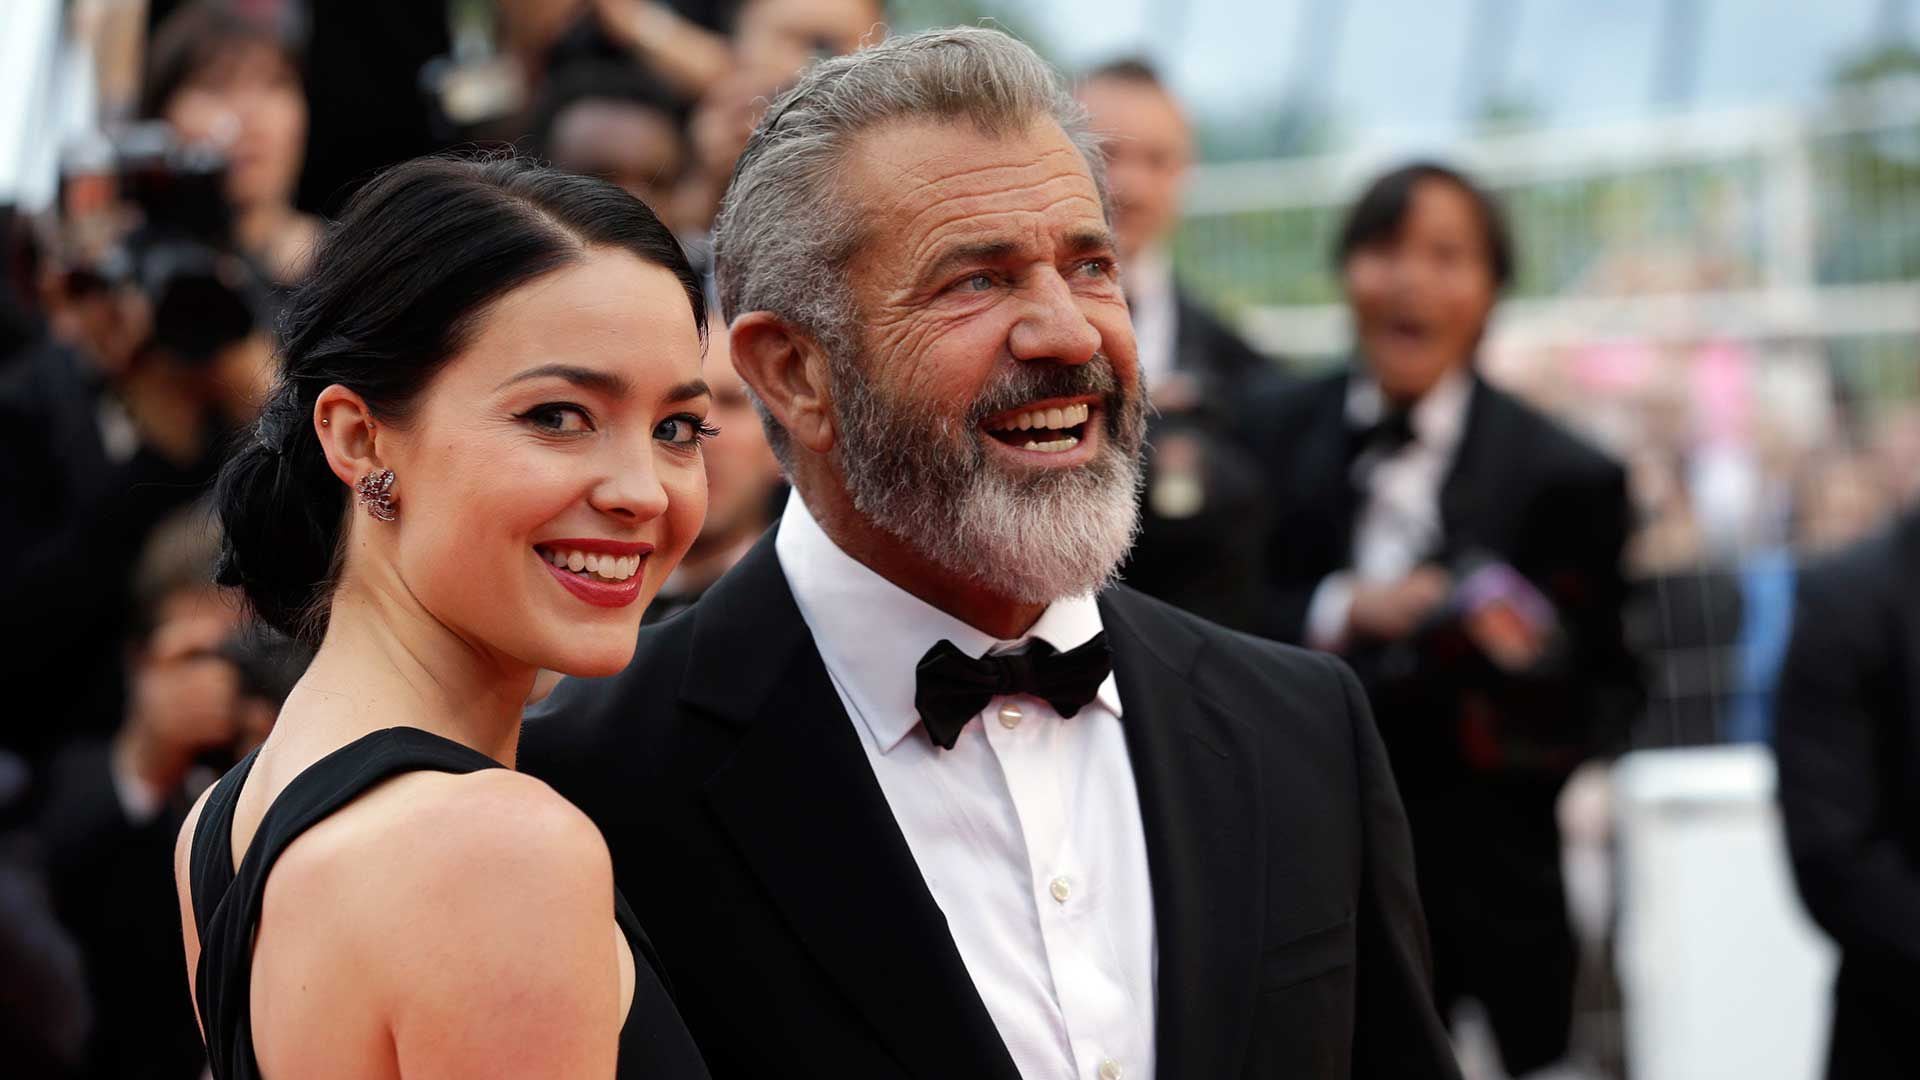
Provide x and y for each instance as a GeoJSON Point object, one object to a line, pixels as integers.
{"type": "Point", "coordinates": [1389, 612]}
{"type": "Point", "coordinates": [1507, 637]}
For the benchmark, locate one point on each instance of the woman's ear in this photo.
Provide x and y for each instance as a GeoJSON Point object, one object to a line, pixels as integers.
{"type": "Point", "coordinates": [345, 427]}
{"type": "Point", "coordinates": [788, 371]}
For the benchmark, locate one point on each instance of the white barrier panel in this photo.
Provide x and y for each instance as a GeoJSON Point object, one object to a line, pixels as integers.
{"type": "Point", "coordinates": [1722, 973]}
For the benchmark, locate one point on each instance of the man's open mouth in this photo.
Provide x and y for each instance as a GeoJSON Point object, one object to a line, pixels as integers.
{"type": "Point", "coordinates": [1051, 430]}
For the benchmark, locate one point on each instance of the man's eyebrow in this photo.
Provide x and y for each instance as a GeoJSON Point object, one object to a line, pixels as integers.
{"type": "Point", "coordinates": [1086, 241]}
{"type": "Point", "coordinates": [605, 382]}
{"type": "Point", "coordinates": [961, 254]}
{"type": "Point", "coordinates": [687, 391]}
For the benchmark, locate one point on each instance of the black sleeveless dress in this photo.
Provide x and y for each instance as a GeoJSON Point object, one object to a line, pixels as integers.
{"type": "Point", "coordinates": [226, 902]}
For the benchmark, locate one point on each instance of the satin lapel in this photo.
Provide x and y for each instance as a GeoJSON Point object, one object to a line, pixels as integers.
{"type": "Point", "coordinates": [1475, 473]}
{"type": "Point", "coordinates": [1200, 803]}
{"type": "Point", "coordinates": [800, 800]}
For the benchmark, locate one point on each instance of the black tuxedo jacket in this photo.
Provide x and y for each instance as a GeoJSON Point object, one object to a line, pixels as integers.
{"type": "Point", "coordinates": [749, 833]}
{"type": "Point", "coordinates": [1521, 490]}
{"type": "Point", "coordinates": [1848, 744]}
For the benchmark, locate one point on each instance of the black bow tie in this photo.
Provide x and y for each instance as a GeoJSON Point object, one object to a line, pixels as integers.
{"type": "Point", "coordinates": [951, 687]}
{"type": "Point", "coordinates": [1384, 437]}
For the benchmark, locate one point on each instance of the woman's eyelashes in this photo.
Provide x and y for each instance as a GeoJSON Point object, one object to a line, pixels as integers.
{"type": "Point", "coordinates": [685, 429]}
{"type": "Point", "coordinates": [565, 418]}
{"type": "Point", "coordinates": [559, 418]}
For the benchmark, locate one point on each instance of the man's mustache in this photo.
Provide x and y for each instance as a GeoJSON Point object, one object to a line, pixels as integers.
{"type": "Point", "coordinates": [1034, 381]}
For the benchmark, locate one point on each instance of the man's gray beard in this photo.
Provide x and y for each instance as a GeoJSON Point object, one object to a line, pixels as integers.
{"type": "Point", "coordinates": [1032, 537]}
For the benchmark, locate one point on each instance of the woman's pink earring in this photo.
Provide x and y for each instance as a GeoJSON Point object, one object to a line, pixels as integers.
{"type": "Point", "coordinates": [376, 494]}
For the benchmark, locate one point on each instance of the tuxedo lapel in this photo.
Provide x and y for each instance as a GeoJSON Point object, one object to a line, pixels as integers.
{"type": "Point", "coordinates": [1200, 804]}
{"type": "Point", "coordinates": [801, 802]}
{"type": "Point", "coordinates": [1483, 454]}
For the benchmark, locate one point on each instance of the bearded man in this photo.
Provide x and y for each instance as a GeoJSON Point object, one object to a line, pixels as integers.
{"type": "Point", "coordinates": [915, 790]}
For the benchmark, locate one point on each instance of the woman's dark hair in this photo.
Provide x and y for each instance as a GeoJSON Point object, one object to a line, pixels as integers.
{"type": "Point", "coordinates": [198, 32]}
{"type": "Point", "coordinates": [1381, 212]}
{"type": "Point", "coordinates": [399, 286]}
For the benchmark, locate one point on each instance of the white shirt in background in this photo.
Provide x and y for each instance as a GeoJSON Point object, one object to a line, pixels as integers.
{"type": "Point", "coordinates": [1148, 281]}
{"type": "Point", "coordinates": [1399, 520]}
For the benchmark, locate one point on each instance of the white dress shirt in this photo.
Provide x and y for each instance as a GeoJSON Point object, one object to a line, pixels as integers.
{"type": "Point", "coordinates": [1027, 832]}
{"type": "Point", "coordinates": [1154, 306]}
{"type": "Point", "coordinates": [1399, 521]}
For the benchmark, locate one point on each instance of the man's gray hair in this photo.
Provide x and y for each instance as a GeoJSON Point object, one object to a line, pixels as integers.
{"type": "Point", "coordinates": [784, 234]}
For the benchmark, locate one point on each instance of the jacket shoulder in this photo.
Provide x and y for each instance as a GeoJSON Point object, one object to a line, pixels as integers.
{"type": "Point", "coordinates": [1232, 662]}
{"type": "Point", "coordinates": [1552, 445]}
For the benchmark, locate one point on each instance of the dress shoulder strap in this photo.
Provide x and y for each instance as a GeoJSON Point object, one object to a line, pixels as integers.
{"type": "Point", "coordinates": [226, 898]}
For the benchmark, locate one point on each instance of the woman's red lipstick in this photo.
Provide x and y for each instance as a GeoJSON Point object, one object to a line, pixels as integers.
{"type": "Point", "coordinates": [589, 588]}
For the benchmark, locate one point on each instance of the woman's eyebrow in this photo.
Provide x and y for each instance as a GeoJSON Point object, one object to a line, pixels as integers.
{"type": "Point", "coordinates": [605, 382]}
{"type": "Point", "coordinates": [687, 391]}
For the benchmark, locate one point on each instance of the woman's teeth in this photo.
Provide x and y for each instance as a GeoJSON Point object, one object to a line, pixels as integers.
{"type": "Point", "coordinates": [611, 567]}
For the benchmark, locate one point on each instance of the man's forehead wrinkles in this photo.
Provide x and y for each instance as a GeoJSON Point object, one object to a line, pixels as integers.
{"type": "Point", "coordinates": [1020, 225]}
{"type": "Point", "coordinates": [934, 168]}
{"type": "Point", "coordinates": [963, 206]}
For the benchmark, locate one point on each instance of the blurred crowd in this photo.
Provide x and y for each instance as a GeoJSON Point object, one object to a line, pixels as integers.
{"type": "Point", "coordinates": [1440, 517]}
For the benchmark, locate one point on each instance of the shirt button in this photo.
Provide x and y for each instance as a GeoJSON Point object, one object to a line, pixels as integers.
{"type": "Point", "coordinates": [1109, 1070]}
{"type": "Point", "coordinates": [1010, 716]}
{"type": "Point", "coordinates": [1061, 888]}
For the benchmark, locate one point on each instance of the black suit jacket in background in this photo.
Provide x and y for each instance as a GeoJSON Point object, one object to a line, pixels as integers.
{"type": "Point", "coordinates": [1207, 560]}
{"type": "Point", "coordinates": [750, 835]}
{"type": "Point", "coordinates": [112, 885]}
{"type": "Point", "coordinates": [1848, 742]}
{"type": "Point", "coordinates": [1522, 490]}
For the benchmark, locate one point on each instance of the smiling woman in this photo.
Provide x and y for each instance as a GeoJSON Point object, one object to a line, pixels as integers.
{"type": "Point", "coordinates": [503, 362]}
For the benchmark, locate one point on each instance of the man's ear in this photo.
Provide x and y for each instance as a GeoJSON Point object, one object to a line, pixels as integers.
{"type": "Point", "coordinates": [787, 369]}
{"type": "Point", "coordinates": [345, 427]}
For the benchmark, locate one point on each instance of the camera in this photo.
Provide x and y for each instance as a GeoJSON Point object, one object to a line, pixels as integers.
{"type": "Point", "coordinates": [168, 233]}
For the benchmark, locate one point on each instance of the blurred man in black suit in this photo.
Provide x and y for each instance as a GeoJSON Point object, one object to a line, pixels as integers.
{"type": "Point", "coordinates": [1203, 513]}
{"type": "Point", "coordinates": [1848, 731]}
{"type": "Point", "coordinates": [1463, 552]}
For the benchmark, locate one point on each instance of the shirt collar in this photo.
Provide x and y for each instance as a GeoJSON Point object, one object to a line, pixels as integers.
{"type": "Point", "coordinates": [1148, 279]}
{"type": "Point", "coordinates": [871, 633]}
{"type": "Point", "coordinates": [1438, 419]}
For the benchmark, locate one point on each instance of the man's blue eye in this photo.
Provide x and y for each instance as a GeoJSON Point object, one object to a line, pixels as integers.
{"type": "Point", "coordinates": [978, 283]}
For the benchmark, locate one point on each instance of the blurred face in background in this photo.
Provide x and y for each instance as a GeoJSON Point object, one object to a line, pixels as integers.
{"type": "Point", "coordinates": [247, 100]}
{"type": "Point", "coordinates": [785, 35]}
{"type": "Point", "coordinates": [1421, 298]}
{"type": "Point", "coordinates": [636, 147]}
{"type": "Point", "coordinates": [183, 691]}
{"type": "Point", "coordinates": [741, 469]}
{"type": "Point", "coordinates": [1148, 150]}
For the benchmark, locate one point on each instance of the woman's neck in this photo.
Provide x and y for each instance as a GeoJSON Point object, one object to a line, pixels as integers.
{"type": "Point", "coordinates": [388, 663]}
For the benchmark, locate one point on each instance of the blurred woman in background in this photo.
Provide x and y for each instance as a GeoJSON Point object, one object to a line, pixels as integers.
{"type": "Point", "coordinates": [232, 82]}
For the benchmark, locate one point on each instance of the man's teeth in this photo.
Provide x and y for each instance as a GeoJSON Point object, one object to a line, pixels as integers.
{"type": "Point", "coordinates": [611, 567]}
{"type": "Point", "coordinates": [1056, 419]}
{"type": "Point", "coordinates": [1054, 447]}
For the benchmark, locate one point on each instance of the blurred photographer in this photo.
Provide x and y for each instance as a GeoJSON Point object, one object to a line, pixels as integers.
{"type": "Point", "coordinates": [203, 690]}
{"type": "Point", "coordinates": [228, 81]}
{"type": "Point", "coordinates": [156, 353]}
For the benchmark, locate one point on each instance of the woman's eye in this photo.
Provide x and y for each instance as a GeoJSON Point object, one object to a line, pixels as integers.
{"type": "Point", "coordinates": [685, 430]}
{"type": "Point", "coordinates": [558, 418]}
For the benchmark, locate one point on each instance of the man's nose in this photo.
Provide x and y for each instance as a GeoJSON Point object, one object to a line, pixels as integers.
{"type": "Point", "coordinates": [1052, 326]}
